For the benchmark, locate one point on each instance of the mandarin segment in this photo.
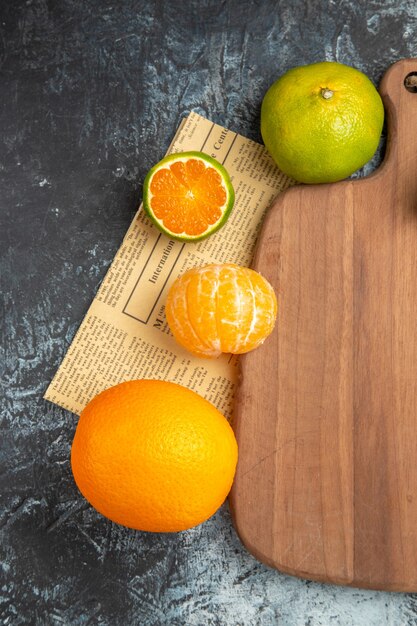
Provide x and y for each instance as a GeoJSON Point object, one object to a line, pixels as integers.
{"type": "Point", "coordinates": [209, 189]}
{"type": "Point", "coordinates": [179, 319]}
{"type": "Point", "coordinates": [202, 287]}
{"type": "Point", "coordinates": [165, 183]}
{"type": "Point", "coordinates": [221, 308]}
{"type": "Point", "coordinates": [265, 310]}
{"type": "Point", "coordinates": [178, 169]}
{"type": "Point", "coordinates": [181, 215]}
{"type": "Point", "coordinates": [194, 169]}
{"type": "Point", "coordinates": [235, 308]}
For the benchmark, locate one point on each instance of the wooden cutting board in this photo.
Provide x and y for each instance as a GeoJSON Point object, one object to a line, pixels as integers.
{"type": "Point", "coordinates": [326, 411]}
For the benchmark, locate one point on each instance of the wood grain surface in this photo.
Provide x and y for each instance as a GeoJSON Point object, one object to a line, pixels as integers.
{"type": "Point", "coordinates": [326, 412]}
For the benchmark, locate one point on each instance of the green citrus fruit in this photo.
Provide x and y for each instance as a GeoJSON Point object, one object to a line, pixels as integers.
{"type": "Point", "coordinates": [188, 195]}
{"type": "Point", "coordinates": [321, 122]}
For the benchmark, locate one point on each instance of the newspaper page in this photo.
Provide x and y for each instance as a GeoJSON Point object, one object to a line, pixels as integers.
{"type": "Point", "coordinates": [124, 334]}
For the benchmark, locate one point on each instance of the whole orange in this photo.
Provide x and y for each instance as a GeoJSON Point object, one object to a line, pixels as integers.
{"type": "Point", "coordinates": [221, 308]}
{"type": "Point", "coordinates": [153, 455]}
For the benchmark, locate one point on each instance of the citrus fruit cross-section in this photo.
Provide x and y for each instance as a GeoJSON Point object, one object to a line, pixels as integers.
{"type": "Point", "coordinates": [188, 195]}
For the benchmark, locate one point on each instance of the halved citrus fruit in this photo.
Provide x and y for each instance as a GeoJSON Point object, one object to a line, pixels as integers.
{"type": "Point", "coordinates": [188, 195]}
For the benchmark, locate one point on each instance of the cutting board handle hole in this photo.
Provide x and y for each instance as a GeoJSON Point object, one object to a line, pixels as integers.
{"type": "Point", "coordinates": [410, 82]}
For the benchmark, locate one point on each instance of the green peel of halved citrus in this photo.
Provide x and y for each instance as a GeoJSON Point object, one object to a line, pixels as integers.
{"type": "Point", "coordinates": [188, 195]}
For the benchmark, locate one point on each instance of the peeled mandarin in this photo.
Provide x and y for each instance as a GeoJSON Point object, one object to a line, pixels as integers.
{"type": "Point", "coordinates": [221, 308]}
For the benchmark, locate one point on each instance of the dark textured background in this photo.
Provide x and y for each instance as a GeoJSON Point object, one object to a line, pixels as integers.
{"type": "Point", "coordinates": [91, 95]}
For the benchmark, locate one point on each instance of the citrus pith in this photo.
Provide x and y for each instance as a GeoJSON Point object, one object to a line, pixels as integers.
{"type": "Point", "coordinates": [188, 195]}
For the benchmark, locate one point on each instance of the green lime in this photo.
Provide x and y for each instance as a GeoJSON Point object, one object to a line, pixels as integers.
{"type": "Point", "coordinates": [322, 122]}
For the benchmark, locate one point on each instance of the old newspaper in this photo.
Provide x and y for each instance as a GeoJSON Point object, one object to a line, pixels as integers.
{"type": "Point", "coordinates": [124, 334]}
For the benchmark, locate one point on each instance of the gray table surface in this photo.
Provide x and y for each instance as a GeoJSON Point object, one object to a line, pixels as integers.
{"type": "Point", "coordinates": [91, 95]}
